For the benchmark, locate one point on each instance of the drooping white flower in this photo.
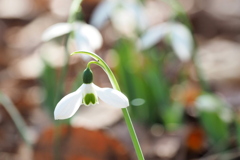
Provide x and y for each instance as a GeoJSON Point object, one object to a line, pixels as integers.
{"type": "Point", "coordinates": [88, 94]}
{"type": "Point", "coordinates": [127, 16]}
{"type": "Point", "coordinates": [180, 36]}
{"type": "Point", "coordinates": [211, 103]}
{"type": "Point", "coordinates": [208, 103]}
{"type": "Point", "coordinates": [86, 36]}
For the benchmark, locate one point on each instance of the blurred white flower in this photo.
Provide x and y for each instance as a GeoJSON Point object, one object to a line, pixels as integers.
{"type": "Point", "coordinates": [180, 36]}
{"type": "Point", "coordinates": [211, 103]}
{"type": "Point", "coordinates": [226, 115]}
{"type": "Point", "coordinates": [86, 36]}
{"type": "Point", "coordinates": [56, 30]}
{"type": "Point", "coordinates": [181, 40]}
{"type": "Point", "coordinates": [153, 35]}
{"type": "Point", "coordinates": [123, 21]}
{"type": "Point", "coordinates": [207, 103]}
{"type": "Point", "coordinates": [126, 16]}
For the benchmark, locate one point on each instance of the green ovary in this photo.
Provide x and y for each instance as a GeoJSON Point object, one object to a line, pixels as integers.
{"type": "Point", "coordinates": [90, 99]}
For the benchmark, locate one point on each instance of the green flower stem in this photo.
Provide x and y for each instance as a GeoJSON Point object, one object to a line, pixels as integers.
{"type": "Point", "coordinates": [102, 63]}
{"type": "Point", "coordinates": [94, 62]}
{"type": "Point", "coordinates": [179, 10]}
{"type": "Point", "coordinates": [60, 84]}
{"type": "Point", "coordinates": [74, 10]}
{"type": "Point", "coordinates": [205, 86]}
{"type": "Point", "coordinates": [16, 117]}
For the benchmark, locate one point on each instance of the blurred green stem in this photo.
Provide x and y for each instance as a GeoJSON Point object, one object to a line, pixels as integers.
{"type": "Point", "coordinates": [73, 14]}
{"type": "Point", "coordinates": [60, 87]}
{"type": "Point", "coordinates": [180, 12]}
{"type": "Point", "coordinates": [205, 86]}
{"type": "Point", "coordinates": [74, 10]}
{"type": "Point", "coordinates": [102, 63]}
{"type": "Point", "coordinates": [182, 15]}
{"type": "Point", "coordinates": [16, 117]}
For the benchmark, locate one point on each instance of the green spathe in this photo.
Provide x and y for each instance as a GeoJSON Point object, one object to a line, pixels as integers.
{"type": "Point", "coordinates": [89, 99]}
{"type": "Point", "coordinates": [87, 76]}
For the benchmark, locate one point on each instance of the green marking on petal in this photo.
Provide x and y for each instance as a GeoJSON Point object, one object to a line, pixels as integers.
{"type": "Point", "coordinates": [90, 99]}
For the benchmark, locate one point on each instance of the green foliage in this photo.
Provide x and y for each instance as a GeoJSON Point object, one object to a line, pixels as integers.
{"type": "Point", "coordinates": [173, 116]}
{"type": "Point", "coordinates": [49, 82]}
{"type": "Point", "coordinates": [215, 127]}
{"type": "Point", "coordinates": [142, 76]}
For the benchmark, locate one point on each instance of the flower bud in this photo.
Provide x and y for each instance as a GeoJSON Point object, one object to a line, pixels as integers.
{"type": "Point", "coordinates": [87, 76]}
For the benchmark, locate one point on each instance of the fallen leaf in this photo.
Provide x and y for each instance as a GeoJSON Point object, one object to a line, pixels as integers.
{"type": "Point", "coordinates": [196, 139]}
{"type": "Point", "coordinates": [78, 143]}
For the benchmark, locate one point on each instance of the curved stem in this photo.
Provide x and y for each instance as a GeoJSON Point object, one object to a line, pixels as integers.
{"type": "Point", "coordinates": [94, 62]}
{"type": "Point", "coordinates": [104, 66]}
{"type": "Point", "coordinates": [115, 85]}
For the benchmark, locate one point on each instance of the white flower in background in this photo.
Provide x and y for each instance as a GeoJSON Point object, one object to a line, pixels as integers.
{"type": "Point", "coordinates": [207, 103]}
{"type": "Point", "coordinates": [88, 94]}
{"type": "Point", "coordinates": [226, 115]}
{"type": "Point", "coordinates": [180, 36]}
{"type": "Point", "coordinates": [86, 37]}
{"type": "Point", "coordinates": [127, 16]}
{"type": "Point", "coordinates": [210, 103]}
{"type": "Point", "coordinates": [56, 30]}
{"type": "Point", "coordinates": [124, 21]}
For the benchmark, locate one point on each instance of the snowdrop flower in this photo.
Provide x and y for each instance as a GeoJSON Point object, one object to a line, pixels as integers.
{"type": "Point", "coordinates": [88, 94]}
{"type": "Point", "coordinates": [211, 103]}
{"type": "Point", "coordinates": [208, 103]}
{"type": "Point", "coordinates": [86, 37]}
{"type": "Point", "coordinates": [180, 36]}
{"type": "Point", "coordinates": [127, 16]}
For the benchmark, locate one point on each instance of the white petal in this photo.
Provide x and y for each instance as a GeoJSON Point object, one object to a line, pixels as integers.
{"type": "Point", "coordinates": [102, 12]}
{"type": "Point", "coordinates": [87, 88]}
{"type": "Point", "coordinates": [87, 37]}
{"type": "Point", "coordinates": [207, 103]}
{"type": "Point", "coordinates": [56, 30]}
{"type": "Point", "coordinates": [68, 105]}
{"type": "Point", "coordinates": [153, 35]}
{"type": "Point", "coordinates": [140, 16]}
{"type": "Point", "coordinates": [124, 21]}
{"type": "Point", "coordinates": [127, 17]}
{"type": "Point", "coordinates": [226, 114]}
{"type": "Point", "coordinates": [112, 97]}
{"type": "Point", "coordinates": [182, 41]}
